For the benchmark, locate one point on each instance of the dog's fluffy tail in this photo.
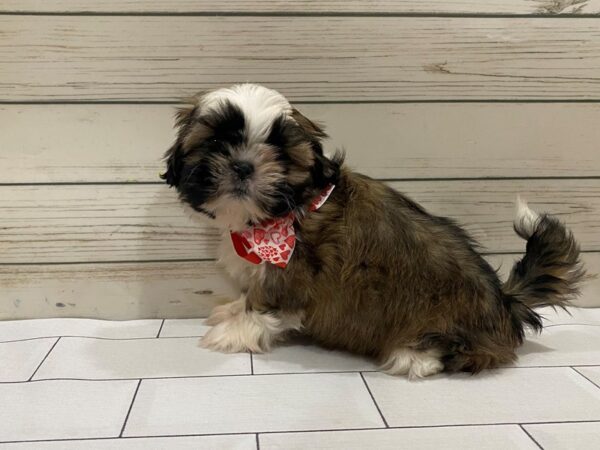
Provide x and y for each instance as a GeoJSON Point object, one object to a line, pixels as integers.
{"type": "Point", "coordinates": [550, 272]}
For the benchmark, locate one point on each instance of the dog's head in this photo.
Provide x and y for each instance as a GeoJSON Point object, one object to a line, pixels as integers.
{"type": "Point", "coordinates": [244, 154]}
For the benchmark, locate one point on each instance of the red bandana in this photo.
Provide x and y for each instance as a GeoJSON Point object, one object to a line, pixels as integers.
{"type": "Point", "coordinates": [272, 240]}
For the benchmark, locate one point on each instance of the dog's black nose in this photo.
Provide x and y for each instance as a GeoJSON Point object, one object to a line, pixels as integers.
{"type": "Point", "coordinates": [243, 169]}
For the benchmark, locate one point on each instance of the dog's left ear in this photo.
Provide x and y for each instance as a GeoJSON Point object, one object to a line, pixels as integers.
{"type": "Point", "coordinates": [174, 156]}
{"type": "Point", "coordinates": [325, 170]}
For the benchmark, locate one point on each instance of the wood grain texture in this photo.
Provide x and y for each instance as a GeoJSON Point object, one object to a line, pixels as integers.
{"type": "Point", "coordinates": [151, 290]}
{"type": "Point", "coordinates": [310, 6]}
{"type": "Point", "coordinates": [41, 224]}
{"type": "Point", "coordinates": [113, 291]}
{"type": "Point", "coordinates": [124, 143]}
{"type": "Point", "coordinates": [307, 58]}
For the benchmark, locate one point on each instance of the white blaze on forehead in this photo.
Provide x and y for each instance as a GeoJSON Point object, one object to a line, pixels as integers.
{"type": "Point", "coordinates": [260, 106]}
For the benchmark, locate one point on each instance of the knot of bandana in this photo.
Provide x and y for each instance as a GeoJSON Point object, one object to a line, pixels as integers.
{"type": "Point", "coordinates": [273, 240]}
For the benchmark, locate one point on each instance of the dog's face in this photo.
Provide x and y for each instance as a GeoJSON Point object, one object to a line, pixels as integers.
{"type": "Point", "coordinates": [243, 155]}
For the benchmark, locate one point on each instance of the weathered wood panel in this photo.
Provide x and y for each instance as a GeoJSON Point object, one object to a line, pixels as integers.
{"type": "Point", "coordinates": [310, 6]}
{"type": "Point", "coordinates": [149, 290]}
{"type": "Point", "coordinates": [112, 291]}
{"type": "Point", "coordinates": [98, 223]}
{"type": "Point", "coordinates": [100, 143]}
{"type": "Point", "coordinates": [307, 58]}
{"type": "Point", "coordinates": [43, 224]}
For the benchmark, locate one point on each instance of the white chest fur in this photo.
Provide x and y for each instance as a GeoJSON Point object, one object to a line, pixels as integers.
{"type": "Point", "coordinates": [236, 267]}
{"type": "Point", "coordinates": [242, 271]}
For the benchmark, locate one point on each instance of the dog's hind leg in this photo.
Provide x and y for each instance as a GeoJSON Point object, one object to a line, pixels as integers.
{"type": "Point", "coordinates": [470, 353]}
{"type": "Point", "coordinates": [412, 362]}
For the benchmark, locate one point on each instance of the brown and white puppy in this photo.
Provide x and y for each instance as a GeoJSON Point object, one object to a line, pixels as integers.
{"type": "Point", "coordinates": [372, 272]}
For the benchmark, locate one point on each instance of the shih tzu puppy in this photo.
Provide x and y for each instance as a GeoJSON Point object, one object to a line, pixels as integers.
{"type": "Point", "coordinates": [345, 259]}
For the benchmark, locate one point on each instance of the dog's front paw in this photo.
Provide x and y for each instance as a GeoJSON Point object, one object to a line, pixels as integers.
{"type": "Point", "coordinates": [238, 333]}
{"type": "Point", "coordinates": [224, 312]}
{"type": "Point", "coordinates": [225, 338]}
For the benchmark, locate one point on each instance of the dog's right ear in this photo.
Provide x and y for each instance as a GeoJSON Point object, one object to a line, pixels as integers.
{"type": "Point", "coordinates": [174, 156]}
{"type": "Point", "coordinates": [314, 129]}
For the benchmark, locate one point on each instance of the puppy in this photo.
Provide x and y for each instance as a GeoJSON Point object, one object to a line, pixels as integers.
{"type": "Point", "coordinates": [345, 259]}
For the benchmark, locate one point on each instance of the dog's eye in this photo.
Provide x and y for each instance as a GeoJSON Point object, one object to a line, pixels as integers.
{"type": "Point", "coordinates": [217, 146]}
{"type": "Point", "coordinates": [215, 143]}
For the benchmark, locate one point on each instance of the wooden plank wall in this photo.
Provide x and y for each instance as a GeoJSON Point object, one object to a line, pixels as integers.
{"type": "Point", "coordinates": [311, 59]}
{"type": "Point", "coordinates": [438, 7]}
{"type": "Point", "coordinates": [460, 103]}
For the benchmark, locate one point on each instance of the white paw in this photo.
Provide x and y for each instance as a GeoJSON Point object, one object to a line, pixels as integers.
{"type": "Point", "coordinates": [424, 367]}
{"type": "Point", "coordinates": [241, 332]}
{"type": "Point", "coordinates": [223, 312]}
{"type": "Point", "coordinates": [224, 338]}
{"type": "Point", "coordinates": [415, 364]}
{"type": "Point", "coordinates": [398, 363]}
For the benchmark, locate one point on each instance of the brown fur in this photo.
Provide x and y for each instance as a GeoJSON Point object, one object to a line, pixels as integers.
{"type": "Point", "coordinates": [373, 272]}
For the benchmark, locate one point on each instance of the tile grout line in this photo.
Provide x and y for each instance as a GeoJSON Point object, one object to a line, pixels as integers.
{"type": "Point", "coordinates": [578, 372]}
{"type": "Point", "coordinates": [161, 327]}
{"type": "Point", "coordinates": [137, 388]}
{"type": "Point", "coordinates": [199, 335]}
{"type": "Point", "coordinates": [101, 338]}
{"type": "Point", "coordinates": [40, 364]}
{"type": "Point", "coordinates": [324, 372]}
{"type": "Point", "coordinates": [373, 398]}
{"type": "Point", "coordinates": [530, 436]}
{"type": "Point", "coordinates": [257, 442]}
{"type": "Point", "coordinates": [329, 430]}
{"type": "Point", "coordinates": [190, 377]}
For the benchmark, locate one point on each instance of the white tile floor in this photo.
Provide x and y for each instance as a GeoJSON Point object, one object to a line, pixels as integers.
{"type": "Point", "coordinates": [71, 384]}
